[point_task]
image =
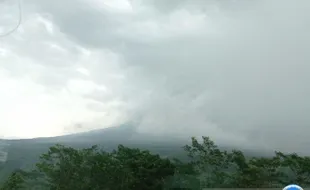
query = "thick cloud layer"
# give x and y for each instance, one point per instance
(233, 70)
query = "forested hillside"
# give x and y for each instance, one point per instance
(24, 153)
(207, 166)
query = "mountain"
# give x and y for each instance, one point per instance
(24, 153)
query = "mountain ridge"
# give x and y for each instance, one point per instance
(24, 153)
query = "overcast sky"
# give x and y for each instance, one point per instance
(235, 70)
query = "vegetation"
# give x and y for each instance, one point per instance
(67, 168)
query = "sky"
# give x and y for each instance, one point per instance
(235, 70)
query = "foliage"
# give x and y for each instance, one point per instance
(15, 181)
(67, 168)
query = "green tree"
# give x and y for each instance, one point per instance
(297, 168)
(14, 182)
(210, 163)
(146, 171)
(256, 172)
(66, 168)
(221, 169)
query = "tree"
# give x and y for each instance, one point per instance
(147, 171)
(66, 168)
(210, 163)
(221, 169)
(297, 168)
(185, 177)
(14, 182)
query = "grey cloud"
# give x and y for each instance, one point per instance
(254, 68)
(241, 78)
(81, 22)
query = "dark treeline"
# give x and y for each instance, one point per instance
(66, 168)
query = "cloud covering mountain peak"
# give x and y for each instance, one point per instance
(233, 70)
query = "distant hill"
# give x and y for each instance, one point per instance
(3, 151)
(24, 153)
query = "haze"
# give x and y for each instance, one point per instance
(235, 70)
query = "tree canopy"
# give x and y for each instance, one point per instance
(67, 168)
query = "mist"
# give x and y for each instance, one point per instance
(236, 71)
